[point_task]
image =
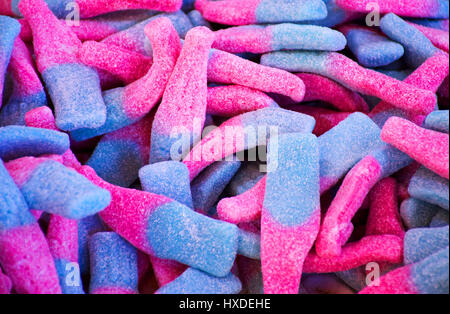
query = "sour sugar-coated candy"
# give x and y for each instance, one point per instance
(429, 187)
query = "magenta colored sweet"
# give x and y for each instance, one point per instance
(233, 100)
(322, 88)
(5, 283)
(183, 106)
(384, 215)
(430, 148)
(379, 248)
(166, 270)
(127, 65)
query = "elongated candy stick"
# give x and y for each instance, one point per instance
(429, 276)
(321, 88)
(114, 265)
(127, 65)
(20, 141)
(119, 155)
(243, 12)
(418, 47)
(249, 130)
(10, 30)
(143, 219)
(89, 8)
(194, 281)
(47, 185)
(377, 165)
(380, 248)
(428, 147)
(290, 221)
(233, 100)
(423, 242)
(350, 74)
(438, 121)
(414, 8)
(262, 39)
(129, 104)
(438, 38)
(28, 92)
(24, 253)
(429, 187)
(86, 228)
(183, 105)
(62, 238)
(135, 39)
(370, 48)
(73, 87)
(355, 131)
(384, 216)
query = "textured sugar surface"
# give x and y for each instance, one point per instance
(438, 121)
(423, 242)
(416, 213)
(429, 187)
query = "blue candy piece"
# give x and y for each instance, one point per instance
(438, 120)
(344, 145)
(427, 186)
(247, 176)
(418, 48)
(10, 28)
(56, 189)
(416, 213)
(420, 243)
(197, 19)
(278, 11)
(249, 244)
(209, 185)
(168, 178)
(13, 112)
(114, 264)
(335, 16)
(87, 227)
(13, 207)
(75, 92)
(371, 49)
(440, 220)
(194, 281)
(188, 5)
(431, 275)
(63, 267)
(179, 233)
(20, 141)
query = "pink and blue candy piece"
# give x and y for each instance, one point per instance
(290, 220)
(194, 281)
(427, 186)
(114, 265)
(10, 30)
(49, 186)
(20, 141)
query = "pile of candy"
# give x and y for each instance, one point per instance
(230, 146)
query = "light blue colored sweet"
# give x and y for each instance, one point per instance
(209, 185)
(249, 244)
(10, 29)
(418, 47)
(194, 281)
(420, 243)
(438, 121)
(197, 19)
(168, 178)
(21, 141)
(416, 213)
(114, 264)
(276, 11)
(427, 186)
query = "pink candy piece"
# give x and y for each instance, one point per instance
(89, 8)
(166, 270)
(379, 248)
(5, 283)
(62, 238)
(127, 65)
(438, 37)
(245, 207)
(227, 68)
(384, 216)
(430, 148)
(233, 100)
(321, 88)
(26, 259)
